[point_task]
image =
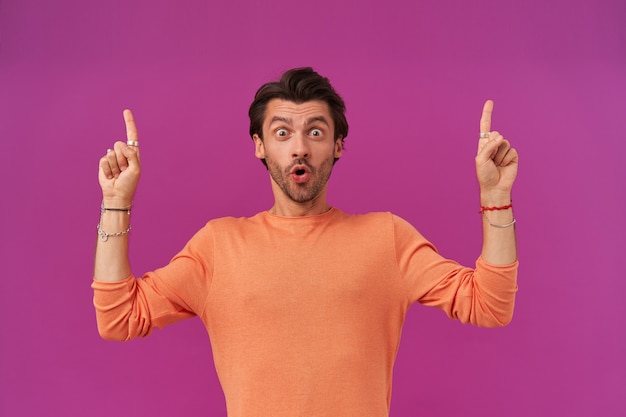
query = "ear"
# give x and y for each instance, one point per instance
(338, 147)
(259, 147)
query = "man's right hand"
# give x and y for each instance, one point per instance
(120, 168)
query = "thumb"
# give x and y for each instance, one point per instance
(488, 149)
(131, 153)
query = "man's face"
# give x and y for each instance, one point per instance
(298, 146)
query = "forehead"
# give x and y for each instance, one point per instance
(297, 113)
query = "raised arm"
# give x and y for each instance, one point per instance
(118, 177)
(496, 169)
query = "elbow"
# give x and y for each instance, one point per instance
(496, 322)
(113, 331)
(112, 337)
(494, 311)
(122, 329)
(492, 319)
(487, 314)
(507, 320)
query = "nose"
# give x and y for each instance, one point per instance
(300, 146)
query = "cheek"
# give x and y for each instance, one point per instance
(273, 158)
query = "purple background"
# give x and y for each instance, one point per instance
(414, 75)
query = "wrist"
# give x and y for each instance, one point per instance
(117, 203)
(114, 220)
(495, 198)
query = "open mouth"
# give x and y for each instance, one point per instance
(300, 174)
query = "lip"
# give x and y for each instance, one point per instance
(302, 178)
(300, 167)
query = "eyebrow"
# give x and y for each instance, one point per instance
(317, 119)
(280, 119)
(308, 122)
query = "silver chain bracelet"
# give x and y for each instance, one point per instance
(104, 236)
(499, 226)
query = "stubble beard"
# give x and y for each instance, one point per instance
(305, 192)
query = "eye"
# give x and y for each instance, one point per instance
(316, 132)
(282, 133)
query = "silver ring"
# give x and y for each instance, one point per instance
(484, 135)
(133, 143)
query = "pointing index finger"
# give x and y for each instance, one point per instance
(131, 128)
(485, 119)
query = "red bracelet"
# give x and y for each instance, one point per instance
(484, 209)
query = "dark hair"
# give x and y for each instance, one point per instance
(298, 85)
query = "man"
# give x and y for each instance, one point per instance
(304, 304)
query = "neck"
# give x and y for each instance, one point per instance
(294, 209)
(284, 206)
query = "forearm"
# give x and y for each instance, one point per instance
(499, 243)
(111, 259)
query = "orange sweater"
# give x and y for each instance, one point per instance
(305, 314)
